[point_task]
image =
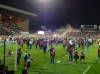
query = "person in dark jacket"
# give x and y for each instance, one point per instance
(70, 56)
(44, 48)
(18, 55)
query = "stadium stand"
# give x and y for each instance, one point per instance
(13, 20)
(10, 29)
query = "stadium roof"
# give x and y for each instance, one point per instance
(7, 10)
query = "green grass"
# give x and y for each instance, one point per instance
(41, 60)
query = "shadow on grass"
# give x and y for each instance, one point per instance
(34, 65)
(44, 72)
(39, 68)
(64, 64)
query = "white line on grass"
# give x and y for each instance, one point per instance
(86, 70)
(79, 65)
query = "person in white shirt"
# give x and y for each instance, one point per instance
(99, 44)
(30, 43)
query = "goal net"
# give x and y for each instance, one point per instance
(10, 54)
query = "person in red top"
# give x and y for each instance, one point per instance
(40, 45)
(76, 55)
(99, 54)
(9, 52)
(36, 44)
(67, 49)
(79, 43)
(52, 54)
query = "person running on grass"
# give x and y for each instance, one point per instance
(82, 55)
(76, 55)
(70, 56)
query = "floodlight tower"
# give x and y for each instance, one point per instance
(44, 12)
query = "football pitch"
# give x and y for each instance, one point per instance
(41, 62)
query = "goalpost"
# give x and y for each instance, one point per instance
(10, 52)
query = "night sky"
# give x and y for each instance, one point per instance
(60, 12)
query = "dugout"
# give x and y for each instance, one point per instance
(16, 16)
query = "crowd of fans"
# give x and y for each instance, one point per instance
(82, 34)
(9, 29)
(41, 43)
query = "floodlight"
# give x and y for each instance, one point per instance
(44, 1)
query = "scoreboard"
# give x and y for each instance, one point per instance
(88, 26)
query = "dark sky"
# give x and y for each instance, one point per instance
(60, 12)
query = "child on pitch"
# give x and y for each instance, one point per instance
(76, 55)
(82, 55)
(25, 59)
(29, 60)
(9, 53)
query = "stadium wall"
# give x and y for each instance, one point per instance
(24, 24)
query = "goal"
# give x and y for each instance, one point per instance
(9, 54)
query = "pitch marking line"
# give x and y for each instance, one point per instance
(86, 70)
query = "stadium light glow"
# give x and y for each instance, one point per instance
(44, 1)
(10, 17)
(19, 19)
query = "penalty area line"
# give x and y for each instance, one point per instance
(86, 70)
